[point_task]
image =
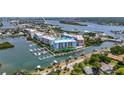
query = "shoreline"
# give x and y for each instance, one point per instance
(65, 63)
(70, 62)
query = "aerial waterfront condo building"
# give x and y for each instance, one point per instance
(79, 39)
(47, 39)
(31, 32)
(37, 35)
(65, 42)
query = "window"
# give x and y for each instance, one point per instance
(69, 44)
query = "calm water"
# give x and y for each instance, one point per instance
(20, 57)
(91, 27)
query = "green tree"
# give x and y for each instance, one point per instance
(5, 45)
(97, 65)
(117, 50)
(120, 64)
(104, 58)
(94, 58)
(77, 69)
(81, 65)
(120, 71)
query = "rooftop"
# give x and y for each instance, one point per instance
(88, 70)
(106, 67)
(64, 40)
(31, 30)
(39, 33)
(49, 37)
(78, 37)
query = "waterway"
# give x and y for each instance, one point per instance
(20, 57)
(90, 27)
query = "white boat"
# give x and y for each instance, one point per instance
(38, 66)
(35, 49)
(44, 52)
(55, 61)
(30, 45)
(35, 54)
(39, 53)
(30, 50)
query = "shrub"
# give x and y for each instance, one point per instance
(120, 71)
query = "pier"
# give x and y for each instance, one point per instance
(41, 53)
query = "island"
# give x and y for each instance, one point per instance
(117, 50)
(72, 23)
(5, 45)
(91, 38)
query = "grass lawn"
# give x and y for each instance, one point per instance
(113, 63)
